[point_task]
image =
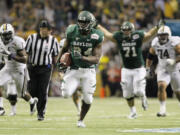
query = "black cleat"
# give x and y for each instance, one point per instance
(2, 111)
(40, 117)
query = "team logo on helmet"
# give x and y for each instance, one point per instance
(163, 34)
(7, 33)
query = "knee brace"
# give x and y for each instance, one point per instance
(12, 99)
(140, 87)
(139, 93)
(65, 94)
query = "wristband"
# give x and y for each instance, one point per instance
(11, 56)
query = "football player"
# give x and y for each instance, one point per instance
(84, 43)
(14, 74)
(167, 48)
(129, 42)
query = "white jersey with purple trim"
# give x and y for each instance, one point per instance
(17, 44)
(166, 51)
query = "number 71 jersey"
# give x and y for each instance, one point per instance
(130, 48)
(165, 51)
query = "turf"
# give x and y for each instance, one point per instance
(107, 116)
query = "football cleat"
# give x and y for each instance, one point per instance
(159, 114)
(144, 103)
(33, 106)
(81, 124)
(2, 111)
(132, 115)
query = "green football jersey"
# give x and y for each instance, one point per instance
(130, 49)
(84, 44)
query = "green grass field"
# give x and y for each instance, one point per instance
(106, 117)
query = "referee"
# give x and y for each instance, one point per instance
(42, 50)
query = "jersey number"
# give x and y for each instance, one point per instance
(88, 52)
(163, 53)
(128, 50)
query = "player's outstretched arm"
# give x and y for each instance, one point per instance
(94, 59)
(107, 34)
(152, 32)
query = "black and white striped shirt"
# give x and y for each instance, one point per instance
(41, 50)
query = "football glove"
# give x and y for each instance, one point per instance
(149, 73)
(11, 56)
(160, 23)
(171, 62)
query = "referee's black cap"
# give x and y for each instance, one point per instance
(44, 24)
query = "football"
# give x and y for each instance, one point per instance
(66, 59)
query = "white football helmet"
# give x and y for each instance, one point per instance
(6, 33)
(163, 34)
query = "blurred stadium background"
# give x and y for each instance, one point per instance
(24, 15)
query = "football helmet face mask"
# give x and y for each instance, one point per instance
(163, 34)
(6, 33)
(127, 28)
(85, 21)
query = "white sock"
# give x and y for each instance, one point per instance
(79, 106)
(1, 102)
(144, 97)
(13, 108)
(162, 106)
(133, 109)
(31, 101)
